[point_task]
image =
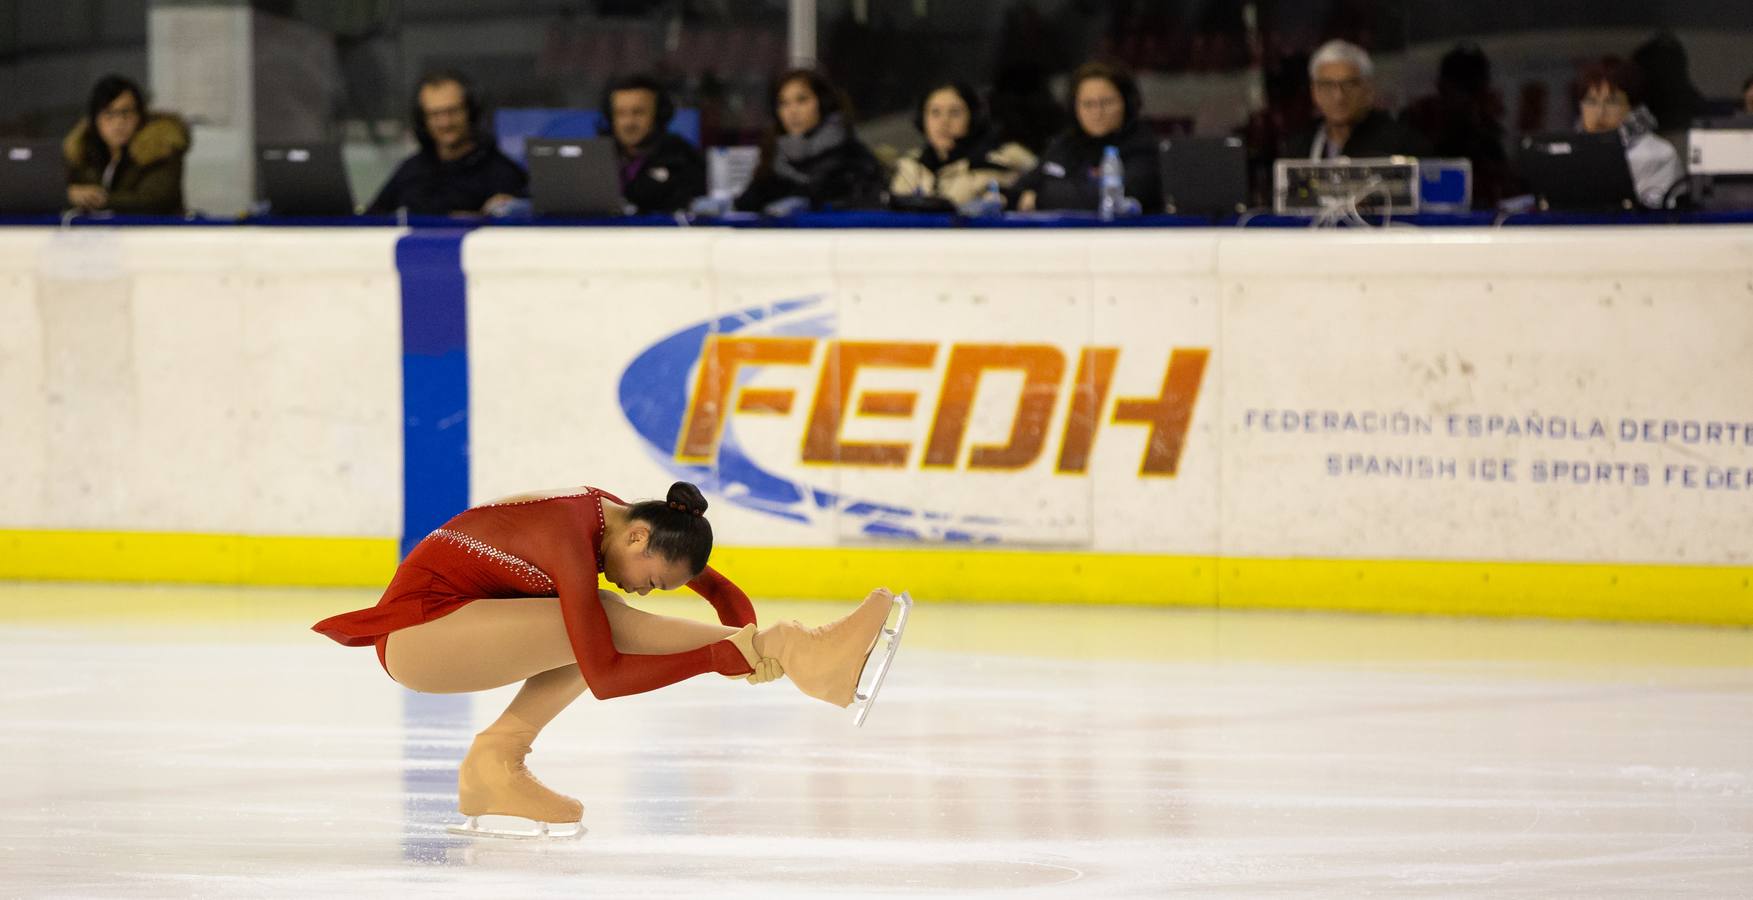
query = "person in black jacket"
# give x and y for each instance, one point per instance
(459, 168)
(660, 172)
(1341, 83)
(812, 155)
(1105, 109)
(1464, 119)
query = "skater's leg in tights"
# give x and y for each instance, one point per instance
(543, 696)
(492, 643)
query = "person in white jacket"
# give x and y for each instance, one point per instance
(1612, 100)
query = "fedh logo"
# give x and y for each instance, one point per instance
(684, 395)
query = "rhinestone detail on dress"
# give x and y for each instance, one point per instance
(528, 572)
(596, 549)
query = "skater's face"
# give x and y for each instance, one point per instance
(946, 120)
(1100, 108)
(630, 565)
(635, 114)
(799, 109)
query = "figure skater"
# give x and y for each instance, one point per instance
(507, 592)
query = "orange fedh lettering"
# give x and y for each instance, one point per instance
(1041, 365)
(1168, 415)
(822, 443)
(719, 360)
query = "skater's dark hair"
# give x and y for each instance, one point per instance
(679, 530)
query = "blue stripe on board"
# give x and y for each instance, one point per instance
(435, 381)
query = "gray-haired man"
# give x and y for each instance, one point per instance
(1341, 80)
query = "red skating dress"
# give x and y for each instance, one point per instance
(539, 548)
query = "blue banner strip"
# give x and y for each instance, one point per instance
(435, 381)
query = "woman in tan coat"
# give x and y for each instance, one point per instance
(120, 158)
(961, 156)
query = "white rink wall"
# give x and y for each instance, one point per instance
(216, 380)
(1539, 395)
(1462, 335)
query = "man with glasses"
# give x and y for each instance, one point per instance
(459, 169)
(1340, 81)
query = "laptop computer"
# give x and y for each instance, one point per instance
(1205, 176)
(304, 179)
(33, 177)
(574, 177)
(1578, 171)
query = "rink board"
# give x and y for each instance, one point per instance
(1537, 422)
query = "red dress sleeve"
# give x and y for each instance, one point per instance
(734, 608)
(611, 673)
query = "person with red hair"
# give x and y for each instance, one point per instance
(1610, 98)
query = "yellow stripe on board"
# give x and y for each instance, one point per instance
(197, 558)
(1717, 595)
(988, 575)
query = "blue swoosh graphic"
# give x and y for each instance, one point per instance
(653, 392)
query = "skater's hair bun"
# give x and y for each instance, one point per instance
(687, 498)
(679, 530)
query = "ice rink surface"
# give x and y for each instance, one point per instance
(177, 742)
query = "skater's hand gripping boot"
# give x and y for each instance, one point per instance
(765, 669)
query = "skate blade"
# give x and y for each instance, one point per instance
(472, 826)
(865, 699)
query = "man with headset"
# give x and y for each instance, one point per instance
(459, 168)
(660, 172)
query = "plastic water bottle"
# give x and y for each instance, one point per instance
(988, 205)
(993, 199)
(1113, 183)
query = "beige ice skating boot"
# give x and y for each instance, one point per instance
(493, 781)
(826, 662)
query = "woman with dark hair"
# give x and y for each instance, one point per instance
(962, 155)
(1105, 108)
(122, 158)
(812, 155)
(1610, 98)
(507, 592)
